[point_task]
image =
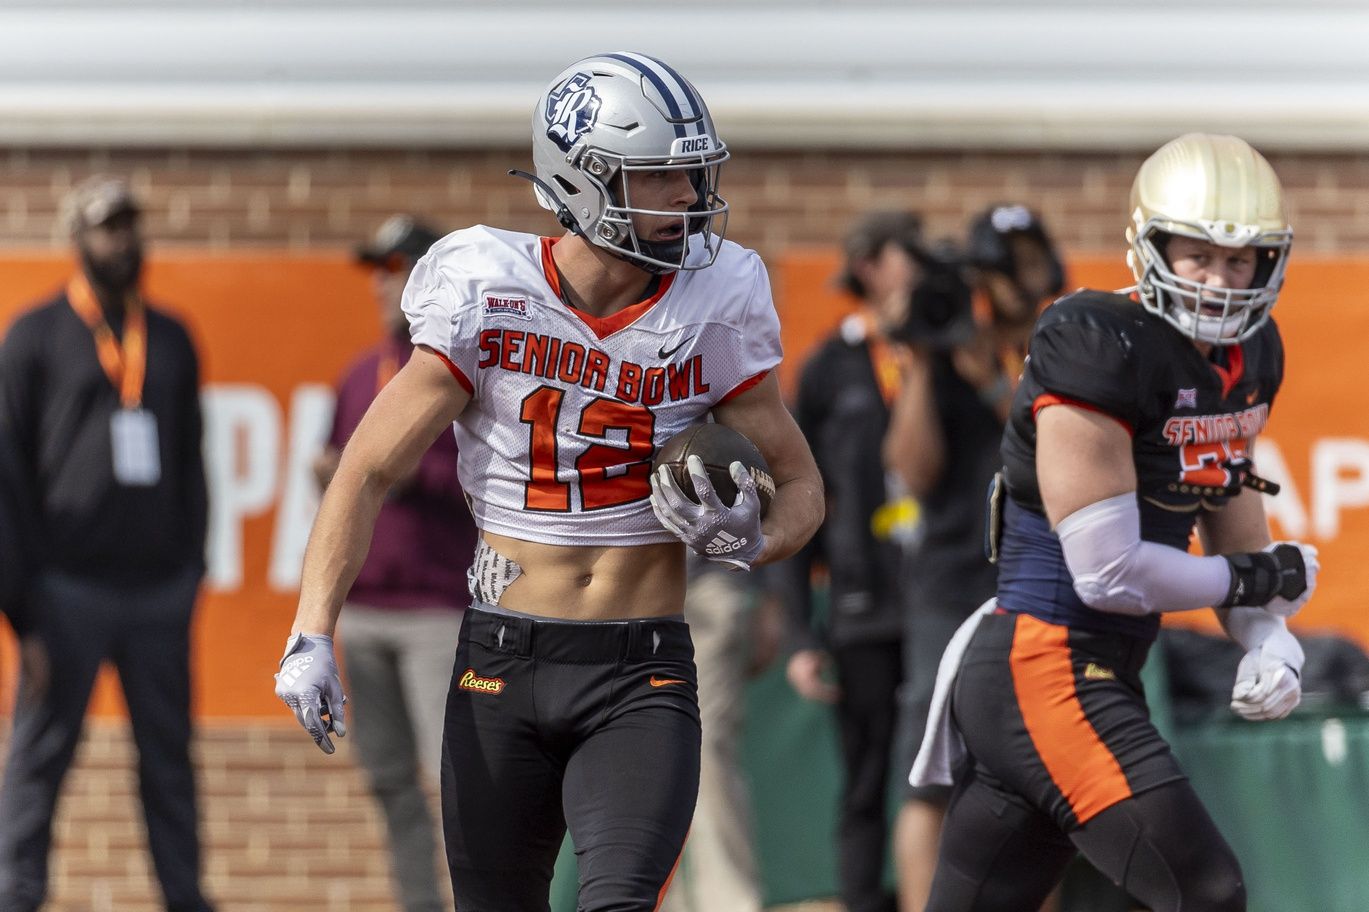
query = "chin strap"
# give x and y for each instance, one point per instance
(562, 211)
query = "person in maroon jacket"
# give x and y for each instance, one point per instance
(400, 623)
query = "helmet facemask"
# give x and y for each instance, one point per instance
(1207, 313)
(703, 224)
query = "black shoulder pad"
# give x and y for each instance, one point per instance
(1086, 349)
(1103, 310)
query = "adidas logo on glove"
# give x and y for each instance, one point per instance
(725, 543)
(291, 670)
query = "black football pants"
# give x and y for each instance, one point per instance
(554, 725)
(1065, 760)
(1001, 855)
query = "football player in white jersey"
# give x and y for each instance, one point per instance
(563, 363)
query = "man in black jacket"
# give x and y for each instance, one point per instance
(99, 394)
(843, 404)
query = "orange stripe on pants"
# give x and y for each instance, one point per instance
(1077, 760)
(665, 887)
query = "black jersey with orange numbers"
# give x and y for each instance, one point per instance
(1190, 418)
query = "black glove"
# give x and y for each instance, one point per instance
(1259, 577)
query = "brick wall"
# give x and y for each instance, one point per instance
(308, 199)
(285, 827)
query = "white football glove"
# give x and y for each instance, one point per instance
(727, 534)
(1267, 680)
(308, 682)
(1283, 607)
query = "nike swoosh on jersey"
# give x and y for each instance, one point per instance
(663, 352)
(663, 682)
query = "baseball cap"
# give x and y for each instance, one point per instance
(399, 236)
(96, 200)
(868, 235)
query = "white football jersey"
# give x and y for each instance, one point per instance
(568, 409)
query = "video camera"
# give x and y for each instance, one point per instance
(939, 313)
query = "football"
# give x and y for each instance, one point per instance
(718, 446)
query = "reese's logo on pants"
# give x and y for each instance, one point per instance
(469, 680)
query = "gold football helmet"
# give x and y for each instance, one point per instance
(1218, 189)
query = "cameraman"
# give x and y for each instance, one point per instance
(855, 661)
(960, 349)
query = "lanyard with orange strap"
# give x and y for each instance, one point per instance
(888, 376)
(133, 429)
(124, 363)
(896, 518)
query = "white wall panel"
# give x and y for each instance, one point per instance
(782, 72)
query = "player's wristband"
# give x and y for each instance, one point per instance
(1260, 576)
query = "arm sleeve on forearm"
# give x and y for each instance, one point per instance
(1115, 571)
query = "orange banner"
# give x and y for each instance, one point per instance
(276, 329)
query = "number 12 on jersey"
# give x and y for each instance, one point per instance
(608, 474)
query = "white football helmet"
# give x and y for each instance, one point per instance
(612, 114)
(1218, 189)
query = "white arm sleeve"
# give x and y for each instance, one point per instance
(1115, 571)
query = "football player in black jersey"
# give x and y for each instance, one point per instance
(1135, 420)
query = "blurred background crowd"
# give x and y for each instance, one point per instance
(920, 178)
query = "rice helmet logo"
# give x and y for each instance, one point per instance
(572, 110)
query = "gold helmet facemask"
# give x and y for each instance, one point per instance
(1217, 189)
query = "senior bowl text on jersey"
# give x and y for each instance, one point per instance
(567, 408)
(551, 358)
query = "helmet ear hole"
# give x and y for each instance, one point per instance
(1160, 241)
(1266, 262)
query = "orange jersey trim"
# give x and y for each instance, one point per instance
(601, 326)
(744, 386)
(460, 375)
(1078, 761)
(1045, 400)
